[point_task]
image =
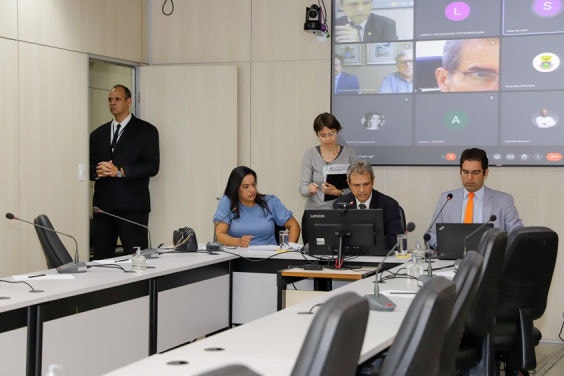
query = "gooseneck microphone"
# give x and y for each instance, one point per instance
(427, 236)
(70, 267)
(149, 252)
(377, 301)
(492, 218)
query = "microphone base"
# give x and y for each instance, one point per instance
(72, 267)
(422, 279)
(380, 303)
(150, 253)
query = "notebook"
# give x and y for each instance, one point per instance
(450, 238)
(336, 174)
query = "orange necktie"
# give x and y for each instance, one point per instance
(469, 213)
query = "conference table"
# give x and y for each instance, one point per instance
(270, 345)
(120, 317)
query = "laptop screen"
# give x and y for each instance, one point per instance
(451, 238)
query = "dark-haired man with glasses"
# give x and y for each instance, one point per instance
(469, 65)
(484, 201)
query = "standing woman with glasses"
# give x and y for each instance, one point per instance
(319, 193)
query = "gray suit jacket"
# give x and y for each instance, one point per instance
(495, 202)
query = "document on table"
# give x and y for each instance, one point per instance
(40, 276)
(448, 274)
(399, 293)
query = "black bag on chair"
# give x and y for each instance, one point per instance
(184, 240)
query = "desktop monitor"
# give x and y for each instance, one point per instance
(361, 232)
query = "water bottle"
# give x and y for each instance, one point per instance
(415, 268)
(138, 261)
(283, 240)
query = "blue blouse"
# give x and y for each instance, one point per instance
(253, 220)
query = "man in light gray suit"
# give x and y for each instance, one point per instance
(473, 173)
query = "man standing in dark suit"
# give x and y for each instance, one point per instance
(360, 178)
(361, 25)
(124, 154)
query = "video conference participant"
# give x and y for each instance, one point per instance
(372, 121)
(360, 25)
(486, 201)
(124, 154)
(544, 120)
(345, 83)
(317, 159)
(469, 65)
(402, 80)
(360, 178)
(246, 217)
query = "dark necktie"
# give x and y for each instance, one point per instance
(116, 134)
(362, 206)
(359, 31)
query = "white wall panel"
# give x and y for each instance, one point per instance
(201, 31)
(278, 32)
(8, 18)
(286, 97)
(10, 154)
(54, 141)
(102, 27)
(195, 111)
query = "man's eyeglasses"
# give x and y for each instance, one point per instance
(327, 135)
(405, 62)
(478, 76)
(473, 172)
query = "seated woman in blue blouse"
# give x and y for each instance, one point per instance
(245, 217)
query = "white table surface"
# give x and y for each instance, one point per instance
(270, 345)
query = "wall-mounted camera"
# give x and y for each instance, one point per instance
(314, 21)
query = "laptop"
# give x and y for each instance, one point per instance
(450, 238)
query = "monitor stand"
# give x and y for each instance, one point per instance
(340, 260)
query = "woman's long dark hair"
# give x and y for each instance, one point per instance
(232, 189)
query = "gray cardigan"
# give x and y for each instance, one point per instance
(312, 171)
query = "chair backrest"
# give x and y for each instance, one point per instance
(230, 370)
(527, 271)
(482, 314)
(334, 340)
(55, 252)
(402, 220)
(466, 280)
(417, 346)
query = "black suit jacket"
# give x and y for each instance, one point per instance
(137, 152)
(377, 28)
(391, 209)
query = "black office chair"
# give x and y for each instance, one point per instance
(402, 219)
(333, 342)
(525, 281)
(231, 370)
(466, 280)
(475, 352)
(54, 250)
(417, 346)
